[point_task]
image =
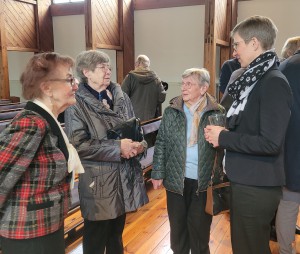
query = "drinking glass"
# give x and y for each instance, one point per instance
(217, 119)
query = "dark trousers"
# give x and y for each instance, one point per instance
(49, 244)
(251, 212)
(99, 236)
(189, 223)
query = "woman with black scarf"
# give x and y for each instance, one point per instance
(254, 138)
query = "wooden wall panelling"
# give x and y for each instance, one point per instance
(106, 19)
(226, 52)
(45, 26)
(210, 43)
(218, 24)
(88, 24)
(67, 9)
(128, 37)
(4, 78)
(21, 25)
(120, 66)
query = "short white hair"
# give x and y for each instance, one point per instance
(143, 61)
(201, 74)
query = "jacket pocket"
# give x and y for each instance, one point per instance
(34, 206)
(105, 183)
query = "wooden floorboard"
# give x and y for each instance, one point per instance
(147, 231)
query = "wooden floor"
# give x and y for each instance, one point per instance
(147, 230)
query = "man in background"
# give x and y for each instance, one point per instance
(144, 88)
(228, 67)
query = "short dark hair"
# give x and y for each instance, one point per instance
(40, 68)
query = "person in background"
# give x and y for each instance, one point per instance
(228, 67)
(37, 160)
(290, 47)
(288, 209)
(113, 181)
(254, 139)
(144, 88)
(183, 162)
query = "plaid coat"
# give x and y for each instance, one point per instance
(34, 191)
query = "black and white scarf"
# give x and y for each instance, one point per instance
(240, 89)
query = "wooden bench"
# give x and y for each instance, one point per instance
(9, 114)
(17, 105)
(150, 129)
(5, 101)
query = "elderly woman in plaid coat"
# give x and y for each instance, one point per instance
(35, 173)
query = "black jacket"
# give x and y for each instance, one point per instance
(255, 148)
(291, 69)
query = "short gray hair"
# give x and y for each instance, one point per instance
(89, 60)
(201, 74)
(142, 61)
(260, 27)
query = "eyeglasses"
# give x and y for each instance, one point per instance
(73, 81)
(104, 67)
(236, 44)
(187, 85)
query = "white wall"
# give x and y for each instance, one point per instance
(284, 13)
(69, 34)
(16, 65)
(173, 39)
(69, 38)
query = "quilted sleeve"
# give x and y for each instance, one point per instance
(159, 157)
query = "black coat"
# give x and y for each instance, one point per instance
(255, 148)
(291, 69)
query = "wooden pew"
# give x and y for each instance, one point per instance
(9, 114)
(17, 105)
(5, 101)
(150, 129)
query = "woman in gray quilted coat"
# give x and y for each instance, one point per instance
(183, 162)
(113, 183)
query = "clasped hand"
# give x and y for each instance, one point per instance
(212, 133)
(130, 148)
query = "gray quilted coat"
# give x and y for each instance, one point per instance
(170, 148)
(110, 185)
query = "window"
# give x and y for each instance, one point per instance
(66, 1)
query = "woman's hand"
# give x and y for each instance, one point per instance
(157, 184)
(128, 148)
(140, 148)
(211, 134)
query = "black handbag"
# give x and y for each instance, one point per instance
(130, 128)
(217, 196)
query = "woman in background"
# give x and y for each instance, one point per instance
(34, 153)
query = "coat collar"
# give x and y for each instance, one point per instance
(53, 126)
(177, 103)
(118, 100)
